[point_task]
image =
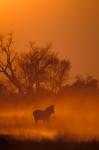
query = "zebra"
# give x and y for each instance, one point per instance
(43, 115)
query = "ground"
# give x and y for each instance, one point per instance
(9, 143)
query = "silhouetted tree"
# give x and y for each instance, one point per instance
(35, 65)
(7, 59)
(88, 84)
(42, 67)
(3, 88)
(59, 74)
(79, 83)
(38, 68)
(92, 82)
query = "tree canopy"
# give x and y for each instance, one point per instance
(38, 68)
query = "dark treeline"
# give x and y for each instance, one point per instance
(38, 70)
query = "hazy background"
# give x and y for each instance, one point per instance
(76, 117)
(71, 25)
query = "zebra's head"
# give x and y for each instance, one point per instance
(50, 109)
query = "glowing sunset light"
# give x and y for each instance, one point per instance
(70, 25)
(49, 71)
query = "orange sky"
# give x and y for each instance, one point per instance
(71, 25)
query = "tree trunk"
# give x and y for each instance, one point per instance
(15, 82)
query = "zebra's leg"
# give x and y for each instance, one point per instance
(47, 122)
(44, 122)
(36, 121)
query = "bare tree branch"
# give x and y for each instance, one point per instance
(7, 65)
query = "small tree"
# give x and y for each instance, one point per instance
(91, 82)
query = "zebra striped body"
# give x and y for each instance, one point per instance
(43, 115)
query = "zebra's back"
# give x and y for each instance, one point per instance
(40, 114)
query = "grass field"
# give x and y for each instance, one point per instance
(10, 143)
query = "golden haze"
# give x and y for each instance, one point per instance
(71, 25)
